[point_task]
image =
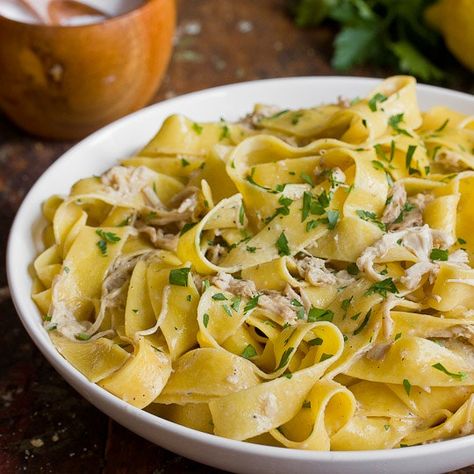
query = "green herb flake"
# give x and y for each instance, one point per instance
(219, 297)
(251, 304)
(398, 336)
(251, 249)
(184, 163)
(439, 254)
(205, 319)
(382, 288)
(197, 128)
(236, 303)
(461, 241)
(333, 217)
(371, 217)
(241, 215)
(409, 156)
(317, 341)
(407, 386)
(443, 126)
(249, 352)
(82, 336)
(319, 314)
(375, 99)
(346, 303)
(282, 245)
(307, 178)
(363, 323)
(227, 310)
(355, 317)
(353, 269)
(306, 404)
(325, 356)
(179, 276)
(455, 375)
(311, 225)
(225, 132)
(285, 358)
(386, 427)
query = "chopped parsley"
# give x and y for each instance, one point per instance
(371, 217)
(225, 132)
(456, 375)
(376, 98)
(106, 238)
(307, 404)
(186, 227)
(251, 249)
(319, 314)
(353, 269)
(205, 319)
(179, 276)
(249, 352)
(394, 121)
(407, 207)
(461, 241)
(407, 386)
(219, 297)
(241, 215)
(443, 126)
(398, 336)
(227, 310)
(307, 198)
(197, 128)
(346, 303)
(409, 157)
(333, 217)
(251, 304)
(236, 303)
(317, 341)
(82, 336)
(282, 245)
(296, 117)
(285, 357)
(184, 163)
(382, 288)
(278, 114)
(439, 254)
(325, 356)
(363, 323)
(295, 302)
(311, 225)
(386, 427)
(307, 178)
(125, 222)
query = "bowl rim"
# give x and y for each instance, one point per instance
(92, 391)
(125, 16)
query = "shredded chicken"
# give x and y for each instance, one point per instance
(215, 253)
(397, 198)
(378, 351)
(314, 271)
(450, 161)
(226, 282)
(418, 240)
(260, 111)
(127, 181)
(269, 300)
(158, 238)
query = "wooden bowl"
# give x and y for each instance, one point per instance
(66, 81)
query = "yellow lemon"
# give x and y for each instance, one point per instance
(455, 20)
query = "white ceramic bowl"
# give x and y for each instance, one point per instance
(100, 151)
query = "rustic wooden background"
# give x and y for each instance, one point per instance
(44, 425)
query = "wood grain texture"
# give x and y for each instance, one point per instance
(218, 42)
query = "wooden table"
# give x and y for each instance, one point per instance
(44, 425)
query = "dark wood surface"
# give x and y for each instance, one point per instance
(44, 425)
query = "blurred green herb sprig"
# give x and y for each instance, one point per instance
(380, 32)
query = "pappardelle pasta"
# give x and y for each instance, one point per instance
(300, 278)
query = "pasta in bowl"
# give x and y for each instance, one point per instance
(298, 278)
